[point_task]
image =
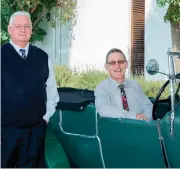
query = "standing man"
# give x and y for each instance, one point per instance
(117, 97)
(29, 97)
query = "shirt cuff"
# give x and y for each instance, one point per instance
(131, 115)
(46, 117)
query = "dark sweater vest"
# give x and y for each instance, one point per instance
(23, 86)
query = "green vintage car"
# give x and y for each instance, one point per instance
(78, 137)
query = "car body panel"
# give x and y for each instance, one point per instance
(55, 155)
(172, 142)
(130, 143)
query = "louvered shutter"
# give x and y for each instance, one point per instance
(137, 36)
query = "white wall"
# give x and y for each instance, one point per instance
(101, 25)
(157, 36)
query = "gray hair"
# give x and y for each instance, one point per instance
(113, 50)
(24, 13)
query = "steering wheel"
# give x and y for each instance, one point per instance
(154, 114)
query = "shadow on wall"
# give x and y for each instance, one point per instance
(157, 36)
(58, 40)
(63, 38)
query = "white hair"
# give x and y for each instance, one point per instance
(24, 13)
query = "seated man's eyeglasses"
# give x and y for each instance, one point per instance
(119, 62)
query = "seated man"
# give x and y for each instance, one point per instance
(116, 97)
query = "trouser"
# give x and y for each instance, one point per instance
(23, 147)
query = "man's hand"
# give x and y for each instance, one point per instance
(141, 117)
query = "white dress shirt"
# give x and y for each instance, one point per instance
(108, 100)
(51, 88)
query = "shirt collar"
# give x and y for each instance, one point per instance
(17, 48)
(116, 84)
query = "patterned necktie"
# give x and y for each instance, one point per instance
(123, 97)
(23, 53)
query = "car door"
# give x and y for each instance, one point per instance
(130, 143)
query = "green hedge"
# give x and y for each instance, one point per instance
(89, 79)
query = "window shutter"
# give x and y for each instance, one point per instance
(137, 36)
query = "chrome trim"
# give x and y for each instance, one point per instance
(101, 153)
(76, 134)
(85, 136)
(163, 148)
(172, 80)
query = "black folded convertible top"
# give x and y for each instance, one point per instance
(74, 99)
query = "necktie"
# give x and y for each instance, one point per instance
(123, 97)
(23, 53)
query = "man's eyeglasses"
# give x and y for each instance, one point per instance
(113, 63)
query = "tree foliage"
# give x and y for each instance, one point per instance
(173, 12)
(39, 11)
